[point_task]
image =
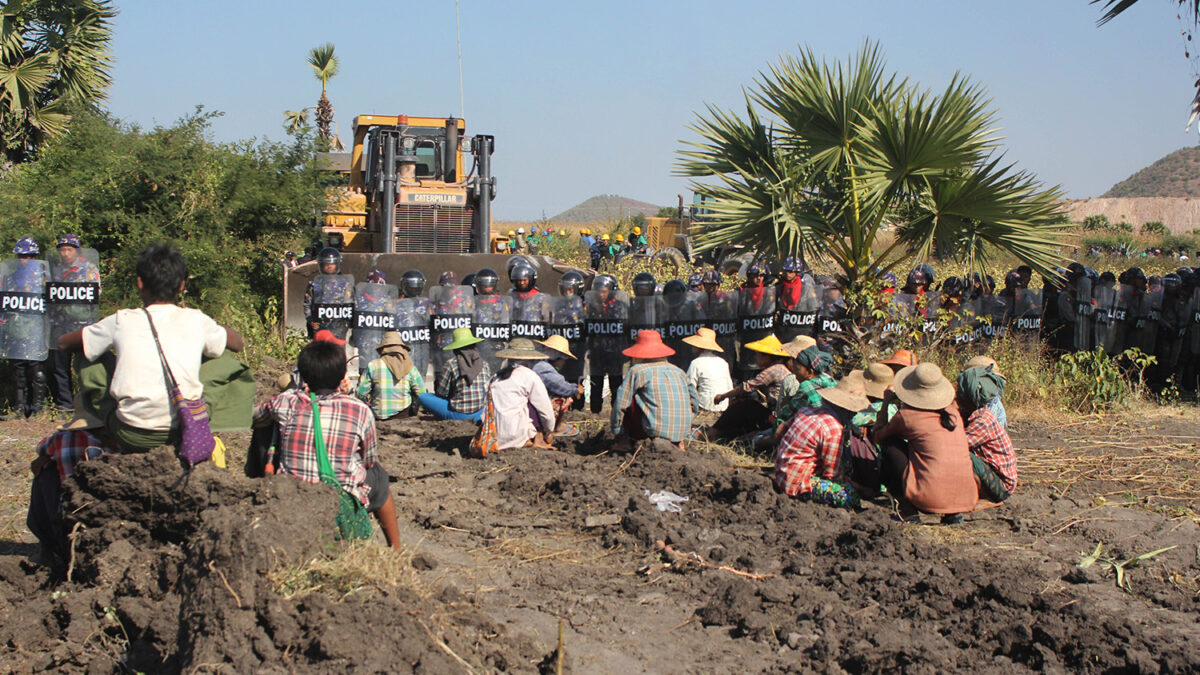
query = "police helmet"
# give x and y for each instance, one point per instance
(520, 273)
(1135, 274)
(674, 292)
(643, 284)
(412, 283)
(287, 254)
(1107, 278)
(486, 278)
(448, 278)
(1012, 279)
(571, 283)
(27, 246)
(1091, 273)
(927, 270)
(694, 281)
(791, 264)
(376, 277)
(73, 240)
(328, 255)
(889, 279)
(917, 277)
(711, 277)
(952, 286)
(756, 268)
(1171, 281)
(607, 281)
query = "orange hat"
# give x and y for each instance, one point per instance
(903, 358)
(326, 335)
(649, 345)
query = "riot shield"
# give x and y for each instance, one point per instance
(966, 323)
(453, 307)
(1143, 333)
(413, 324)
(756, 320)
(646, 312)
(831, 334)
(720, 311)
(798, 316)
(1123, 318)
(530, 315)
(1172, 332)
(568, 318)
(1027, 311)
(492, 324)
(72, 291)
(1080, 316)
(24, 324)
(684, 317)
(332, 305)
(1193, 334)
(374, 315)
(607, 318)
(1104, 303)
(993, 316)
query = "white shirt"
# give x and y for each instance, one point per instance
(138, 383)
(709, 374)
(512, 398)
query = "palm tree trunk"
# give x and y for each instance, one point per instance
(324, 118)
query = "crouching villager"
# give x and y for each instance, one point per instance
(995, 405)
(518, 412)
(808, 460)
(708, 372)
(390, 383)
(810, 367)
(655, 400)
(563, 394)
(992, 455)
(462, 388)
(924, 461)
(347, 440)
(752, 403)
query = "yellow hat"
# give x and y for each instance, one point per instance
(620, 237)
(637, 230)
(512, 233)
(562, 233)
(768, 345)
(604, 237)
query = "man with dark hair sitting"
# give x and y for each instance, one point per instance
(347, 428)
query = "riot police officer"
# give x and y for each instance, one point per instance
(24, 334)
(529, 306)
(568, 319)
(607, 314)
(74, 302)
(492, 321)
(329, 298)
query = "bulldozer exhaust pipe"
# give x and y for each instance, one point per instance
(388, 210)
(485, 188)
(450, 152)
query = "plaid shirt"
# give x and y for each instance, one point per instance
(463, 398)
(69, 448)
(347, 425)
(768, 382)
(386, 396)
(805, 397)
(990, 442)
(665, 397)
(811, 446)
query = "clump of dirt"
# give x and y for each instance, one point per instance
(167, 579)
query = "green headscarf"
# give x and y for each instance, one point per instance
(980, 385)
(815, 360)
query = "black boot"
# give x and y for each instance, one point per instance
(37, 392)
(21, 384)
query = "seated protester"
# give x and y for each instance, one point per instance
(992, 454)
(791, 384)
(995, 405)
(924, 460)
(877, 382)
(462, 389)
(808, 459)
(708, 373)
(811, 368)
(80, 440)
(347, 429)
(390, 383)
(655, 399)
(519, 413)
(754, 400)
(292, 380)
(563, 394)
(130, 394)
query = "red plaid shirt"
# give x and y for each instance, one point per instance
(69, 448)
(990, 442)
(811, 446)
(348, 426)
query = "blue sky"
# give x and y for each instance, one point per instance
(588, 98)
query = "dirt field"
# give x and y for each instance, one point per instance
(236, 575)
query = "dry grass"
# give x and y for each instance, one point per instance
(350, 568)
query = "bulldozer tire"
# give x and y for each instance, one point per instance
(736, 264)
(672, 256)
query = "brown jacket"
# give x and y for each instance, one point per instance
(940, 477)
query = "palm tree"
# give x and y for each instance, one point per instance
(1113, 8)
(54, 57)
(325, 66)
(295, 120)
(850, 153)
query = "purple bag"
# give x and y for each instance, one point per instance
(196, 441)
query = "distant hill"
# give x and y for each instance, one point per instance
(605, 207)
(1176, 175)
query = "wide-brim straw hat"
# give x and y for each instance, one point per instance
(902, 358)
(649, 345)
(847, 394)
(83, 419)
(705, 338)
(877, 378)
(391, 339)
(521, 349)
(559, 344)
(983, 361)
(924, 387)
(462, 337)
(799, 344)
(768, 345)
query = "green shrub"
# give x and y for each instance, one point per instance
(1096, 380)
(1098, 222)
(1154, 227)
